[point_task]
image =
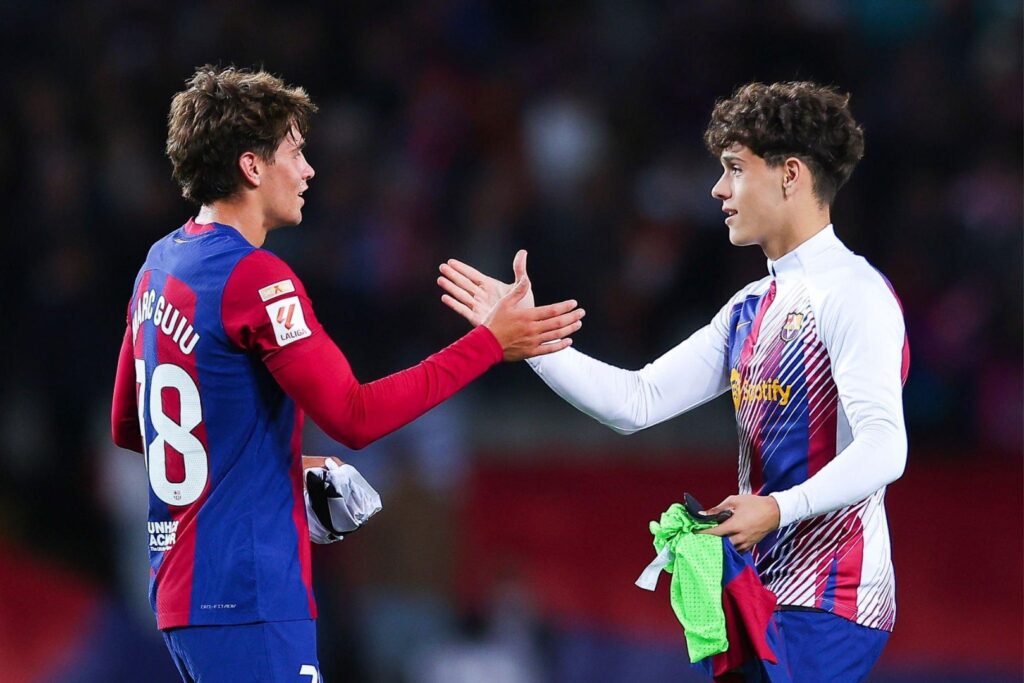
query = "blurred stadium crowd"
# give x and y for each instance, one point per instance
(470, 129)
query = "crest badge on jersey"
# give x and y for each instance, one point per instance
(791, 329)
(288, 320)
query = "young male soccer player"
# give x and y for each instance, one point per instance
(222, 356)
(815, 355)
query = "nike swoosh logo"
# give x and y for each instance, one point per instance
(180, 241)
(742, 324)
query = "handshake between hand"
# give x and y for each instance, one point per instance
(508, 310)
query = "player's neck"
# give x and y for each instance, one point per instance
(795, 232)
(242, 216)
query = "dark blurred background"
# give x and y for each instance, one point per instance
(513, 526)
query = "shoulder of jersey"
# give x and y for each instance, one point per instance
(847, 269)
(280, 297)
(851, 280)
(266, 263)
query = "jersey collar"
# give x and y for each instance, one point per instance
(797, 260)
(191, 228)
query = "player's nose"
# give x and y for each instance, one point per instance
(720, 190)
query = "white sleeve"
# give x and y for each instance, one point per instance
(688, 375)
(863, 331)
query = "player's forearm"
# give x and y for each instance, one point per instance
(688, 375)
(357, 414)
(606, 393)
(382, 406)
(875, 458)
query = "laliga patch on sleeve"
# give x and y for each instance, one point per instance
(277, 289)
(288, 321)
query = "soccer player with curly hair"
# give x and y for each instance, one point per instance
(223, 355)
(814, 355)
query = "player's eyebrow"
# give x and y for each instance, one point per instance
(730, 158)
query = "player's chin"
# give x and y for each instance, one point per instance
(742, 238)
(738, 237)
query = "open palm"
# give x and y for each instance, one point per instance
(473, 295)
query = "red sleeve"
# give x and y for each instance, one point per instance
(124, 412)
(314, 372)
(321, 382)
(265, 308)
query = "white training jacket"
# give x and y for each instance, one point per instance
(815, 355)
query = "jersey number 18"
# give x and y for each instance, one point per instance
(177, 435)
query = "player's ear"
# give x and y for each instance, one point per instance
(250, 166)
(793, 171)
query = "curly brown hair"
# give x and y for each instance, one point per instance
(795, 119)
(223, 113)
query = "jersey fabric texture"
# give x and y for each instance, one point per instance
(222, 357)
(815, 355)
(274, 651)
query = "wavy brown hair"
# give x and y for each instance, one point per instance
(795, 119)
(222, 113)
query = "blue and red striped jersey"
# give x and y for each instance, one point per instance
(817, 355)
(228, 539)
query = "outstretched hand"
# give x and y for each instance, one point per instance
(508, 310)
(473, 294)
